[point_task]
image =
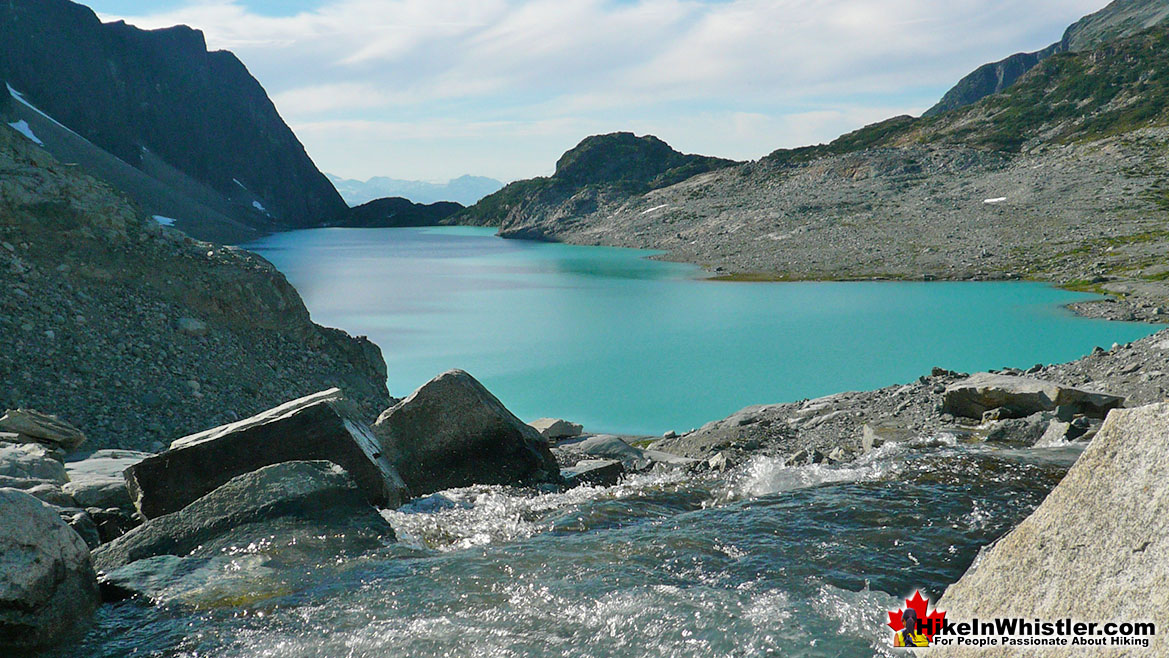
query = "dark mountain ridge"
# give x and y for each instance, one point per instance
(1118, 19)
(598, 168)
(396, 212)
(160, 102)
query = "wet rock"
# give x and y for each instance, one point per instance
(603, 472)
(30, 424)
(1087, 552)
(47, 586)
(316, 427)
(1024, 431)
(297, 498)
(556, 428)
(983, 392)
(875, 435)
(1057, 434)
(452, 432)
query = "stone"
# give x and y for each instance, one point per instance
(983, 392)
(48, 590)
(452, 432)
(112, 522)
(875, 435)
(52, 494)
(315, 427)
(612, 447)
(556, 428)
(720, 462)
(602, 472)
(1056, 434)
(191, 327)
(97, 479)
(1096, 549)
(30, 461)
(295, 499)
(1024, 431)
(81, 523)
(42, 428)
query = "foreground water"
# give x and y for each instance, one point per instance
(765, 560)
(623, 344)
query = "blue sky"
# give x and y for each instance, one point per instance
(432, 89)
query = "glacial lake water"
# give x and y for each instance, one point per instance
(608, 338)
(764, 559)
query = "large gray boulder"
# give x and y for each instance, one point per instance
(1097, 549)
(1021, 396)
(300, 499)
(452, 432)
(32, 425)
(48, 590)
(317, 427)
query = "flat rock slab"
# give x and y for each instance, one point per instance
(452, 432)
(301, 499)
(43, 428)
(1022, 396)
(1097, 549)
(98, 480)
(48, 589)
(316, 427)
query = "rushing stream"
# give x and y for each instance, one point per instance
(762, 560)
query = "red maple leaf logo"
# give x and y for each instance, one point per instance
(930, 622)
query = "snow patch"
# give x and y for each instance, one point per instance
(22, 128)
(20, 98)
(236, 181)
(165, 221)
(259, 206)
(646, 212)
(997, 199)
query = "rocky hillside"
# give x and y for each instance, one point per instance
(600, 169)
(137, 333)
(194, 122)
(399, 212)
(1063, 177)
(1119, 19)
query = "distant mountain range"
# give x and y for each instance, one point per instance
(188, 134)
(465, 190)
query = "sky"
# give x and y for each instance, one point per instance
(433, 89)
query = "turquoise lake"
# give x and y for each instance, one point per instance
(608, 338)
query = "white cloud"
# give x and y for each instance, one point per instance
(736, 78)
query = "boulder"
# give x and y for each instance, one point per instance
(317, 427)
(96, 479)
(556, 428)
(30, 462)
(612, 447)
(603, 472)
(29, 424)
(48, 590)
(1021, 396)
(452, 432)
(1097, 549)
(293, 500)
